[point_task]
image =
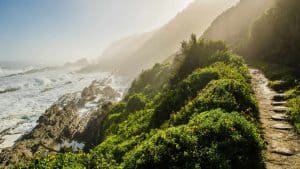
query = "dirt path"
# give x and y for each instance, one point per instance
(283, 144)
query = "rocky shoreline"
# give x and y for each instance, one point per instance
(67, 125)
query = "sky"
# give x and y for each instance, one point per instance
(54, 31)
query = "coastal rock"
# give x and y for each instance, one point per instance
(67, 124)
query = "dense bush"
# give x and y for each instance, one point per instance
(228, 94)
(196, 53)
(136, 102)
(66, 161)
(225, 65)
(294, 106)
(213, 139)
(174, 99)
(151, 81)
(294, 112)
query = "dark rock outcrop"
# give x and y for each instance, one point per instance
(66, 125)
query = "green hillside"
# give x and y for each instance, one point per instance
(202, 115)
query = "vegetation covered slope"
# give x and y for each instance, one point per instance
(201, 115)
(267, 32)
(233, 25)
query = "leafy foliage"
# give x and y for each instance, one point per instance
(227, 94)
(151, 81)
(136, 102)
(196, 53)
(212, 139)
(294, 106)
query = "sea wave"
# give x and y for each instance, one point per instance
(5, 72)
(9, 89)
(25, 71)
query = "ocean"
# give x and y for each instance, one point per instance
(26, 91)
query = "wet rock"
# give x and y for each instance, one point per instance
(110, 92)
(63, 125)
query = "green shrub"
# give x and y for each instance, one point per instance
(109, 153)
(196, 54)
(118, 107)
(129, 134)
(212, 139)
(136, 102)
(66, 161)
(294, 112)
(188, 88)
(135, 124)
(174, 99)
(228, 94)
(151, 81)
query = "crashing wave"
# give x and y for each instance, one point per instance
(10, 89)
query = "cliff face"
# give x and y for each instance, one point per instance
(66, 125)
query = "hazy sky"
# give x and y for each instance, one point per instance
(52, 30)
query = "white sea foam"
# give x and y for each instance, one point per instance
(76, 146)
(37, 91)
(9, 140)
(11, 72)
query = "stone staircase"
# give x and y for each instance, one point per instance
(283, 144)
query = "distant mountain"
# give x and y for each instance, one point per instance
(131, 55)
(121, 50)
(233, 26)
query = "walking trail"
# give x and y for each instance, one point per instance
(283, 144)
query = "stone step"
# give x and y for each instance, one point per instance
(279, 97)
(279, 103)
(282, 148)
(279, 117)
(277, 136)
(281, 126)
(280, 109)
(283, 151)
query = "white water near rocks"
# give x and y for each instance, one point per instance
(25, 96)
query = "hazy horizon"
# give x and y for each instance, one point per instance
(55, 31)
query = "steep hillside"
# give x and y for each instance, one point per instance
(234, 24)
(202, 115)
(166, 40)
